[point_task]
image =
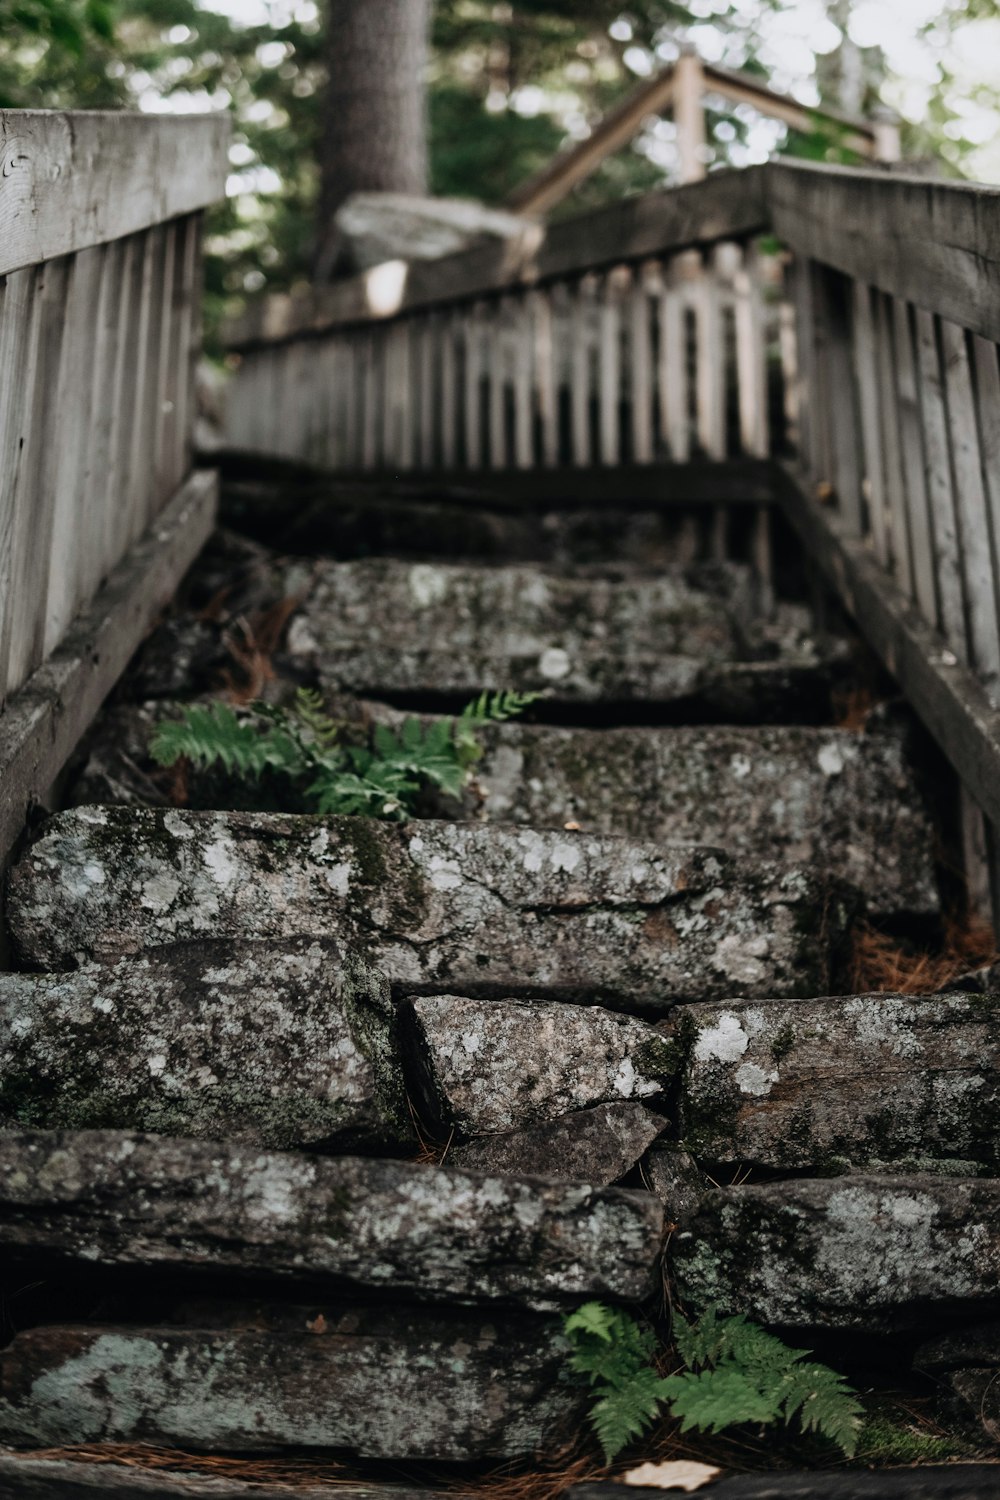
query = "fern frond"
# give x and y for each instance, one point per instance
(488, 708)
(594, 1318)
(824, 1403)
(312, 716)
(624, 1413)
(714, 1399)
(209, 736)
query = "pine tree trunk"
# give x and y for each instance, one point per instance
(374, 118)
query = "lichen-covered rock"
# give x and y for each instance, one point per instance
(827, 1083)
(384, 625)
(119, 1199)
(676, 1179)
(852, 1252)
(489, 1066)
(596, 1145)
(280, 1045)
(848, 802)
(435, 906)
(386, 1383)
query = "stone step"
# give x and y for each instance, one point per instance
(832, 797)
(597, 1145)
(274, 1044)
(701, 639)
(485, 1067)
(437, 907)
(116, 1198)
(878, 1254)
(858, 1079)
(387, 1383)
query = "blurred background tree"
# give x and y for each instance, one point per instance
(508, 83)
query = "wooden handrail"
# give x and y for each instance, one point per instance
(683, 85)
(71, 181)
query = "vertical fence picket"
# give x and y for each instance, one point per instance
(915, 506)
(583, 314)
(497, 375)
(543, 323)
(472, 324)
(751, 354)
(640, 368)
(710, 375)
(522, 333)
(609, 371)
(866, 374)
(937, 463)
(970, 502)
(987, 372)
(449, 391)
(891, 453)
(674, 388)
(32, 473)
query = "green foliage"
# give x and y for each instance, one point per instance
(614, 1352)
(308, 748)
(735, 1373)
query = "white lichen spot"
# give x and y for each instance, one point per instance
(740, 766)
(93, 815)
(554, 664)
(175, 823)
(445, 874)
(102, 1003)
(428, 585)
(739, 958)
(159, 891)
(157, 1064)
(223, 867)
(565, 857)
(752, 1079)
(338, 878)
(94, 875)
(724, 1042)
(831, 760)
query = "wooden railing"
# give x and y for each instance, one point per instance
(657, 332)
(100, 286)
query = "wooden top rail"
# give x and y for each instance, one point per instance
(727, 205)
(69, 181)
(933, 243)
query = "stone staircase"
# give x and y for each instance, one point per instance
(316, 1125)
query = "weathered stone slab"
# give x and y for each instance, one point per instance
(676, 1180)
(828, 1083)
(852, 1252)
(384, 625)
(280, 1045)
(120, 1199)
(846, 801)
(596, 1145)
(489, 1066)
(395, 1384)
(968, 1359)
(436, 907)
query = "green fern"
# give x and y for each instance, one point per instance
(304, 745)
(736, 1373)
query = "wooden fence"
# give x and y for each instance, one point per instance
(656, 332)
(100, 285)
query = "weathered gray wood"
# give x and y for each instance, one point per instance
(946, 695)
(497, 371)
(432, 1234)
(293, 1048)
(987, 372)
(751, 354)
(381, 1383)
(673, 384)
(930, 242)
(895, 482)
(640, 369)
(940, 491)
(71, 180)
(43, 723)
(24, 1477)
(524, 373)
(438, 907)
(870, 397)
(710, 362)
(915, 504)
(863, 1252)
(582, 316)
(970, 503)
(609, 368)
(725, 204)
(862, 1080)
(547, 313)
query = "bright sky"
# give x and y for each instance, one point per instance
(789, 44)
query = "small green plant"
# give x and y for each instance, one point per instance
(306, 747)
(735, 1373)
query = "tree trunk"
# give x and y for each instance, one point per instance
(374, 126)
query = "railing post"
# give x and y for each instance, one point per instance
(887, 146)
(689, 115)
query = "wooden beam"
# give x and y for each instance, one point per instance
(945, 694)
(743, 88)
(630, 486)
(727, 205)
(43, 722)
(553, 183)
(72, 180)
(933, 243)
